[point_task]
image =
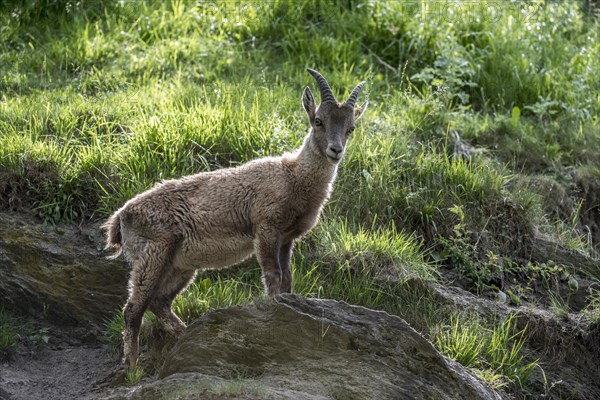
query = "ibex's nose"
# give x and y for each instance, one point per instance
(335, 151)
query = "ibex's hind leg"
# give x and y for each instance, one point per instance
(143, 283)
(133, 313)
(169, 288)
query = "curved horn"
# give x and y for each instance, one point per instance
(324, 88)
(352, 99)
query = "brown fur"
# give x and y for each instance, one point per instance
(219, 218)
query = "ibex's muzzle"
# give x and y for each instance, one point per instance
(334, 152)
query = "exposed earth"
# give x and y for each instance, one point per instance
(56, 371)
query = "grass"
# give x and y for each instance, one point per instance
(595, 307)
(461, 342)
(133, 374)
(100, 101)
(558, 305)
(496, 353)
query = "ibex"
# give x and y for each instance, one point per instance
(219, 218)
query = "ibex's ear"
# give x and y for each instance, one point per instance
(359, 111)
(308, 102)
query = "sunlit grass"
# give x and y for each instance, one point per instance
(462, 342)
(496, 352)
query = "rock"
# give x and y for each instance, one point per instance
(298, 348)
(193, 385)
(60, 274)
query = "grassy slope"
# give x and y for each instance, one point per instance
(100, 102)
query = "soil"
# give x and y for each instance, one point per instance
(58, 371)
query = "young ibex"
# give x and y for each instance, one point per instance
(215, 219)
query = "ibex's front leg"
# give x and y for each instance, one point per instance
(266, 246)
(285, 261)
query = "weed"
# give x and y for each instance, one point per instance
(39, 336)
(113, 329)
(496, 352)
(207, 293)
(461, 342)
(134, 374)
(504, 352)
(558, 304)
(594, 307)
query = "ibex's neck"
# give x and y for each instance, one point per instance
(312, 169)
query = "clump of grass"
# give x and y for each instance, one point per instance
(363, 267)
(134, 374)
(375, 249)
(495, 353)
(594, 307)
(504, 352)
(461, 342)
(113, 329)
(558, 304)
(216, 292)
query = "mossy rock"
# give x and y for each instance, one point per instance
(59, 274)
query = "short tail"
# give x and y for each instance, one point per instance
(114, 240)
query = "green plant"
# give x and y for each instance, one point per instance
(594, 307)
(16, 332)
(133, 374)
(504, 352)
(207, 293)
(496, 353)
(113, 329)
(461, 341)
(40, 335)
(558, 304)
(513, 298)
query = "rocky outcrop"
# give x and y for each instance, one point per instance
(60, 274)
(298, 348)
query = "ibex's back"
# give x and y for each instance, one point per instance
(215, 219)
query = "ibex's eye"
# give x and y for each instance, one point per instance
(318, 122)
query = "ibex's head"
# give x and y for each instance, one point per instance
(331, 122)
